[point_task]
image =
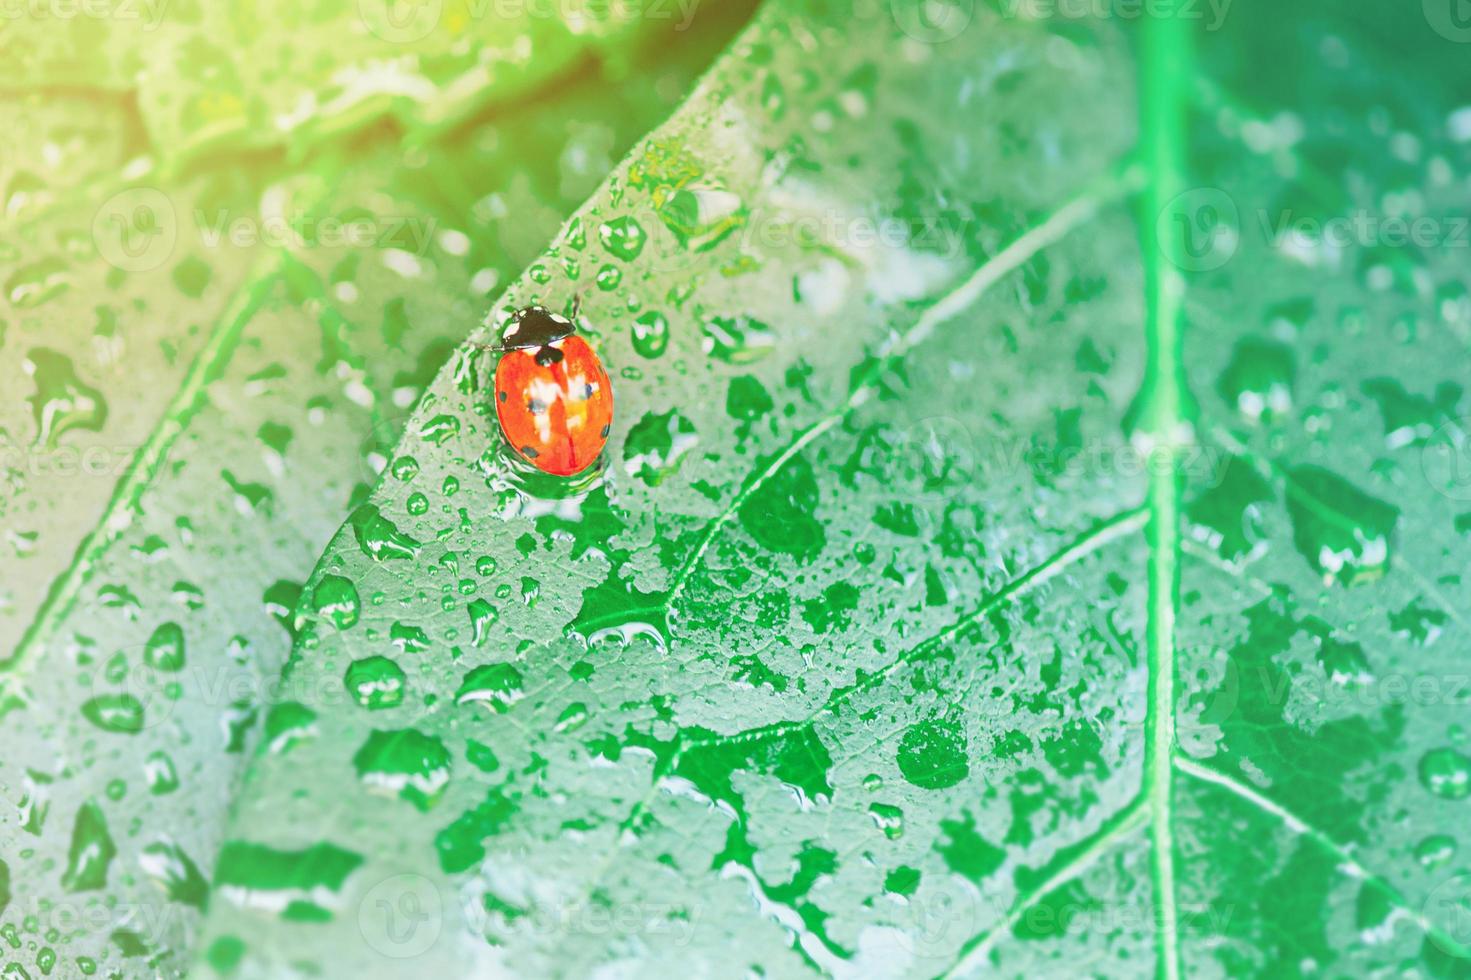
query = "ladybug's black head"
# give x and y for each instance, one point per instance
(535, 326)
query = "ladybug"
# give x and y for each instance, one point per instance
(552, 393)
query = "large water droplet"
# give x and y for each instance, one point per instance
(496, 686)
(406, 762)
(120, 713)
(337, 598)
(622, 237)
(1258, 382)
(91, 851)
(738, 339)
(1344, 533)
(165, 648)
(379, 538)
(650, 334)
(61, 402)
(375, 682)
(172, 870)
(932, 755)
(1446, 773)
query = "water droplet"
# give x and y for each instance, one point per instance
(61, 402)
(574, 716)
(656, 444)
(375, 682)
(1343, 532)
(608, 278)
(497, 686)
(932, 754)
(738, 339)
(650, 334)
(165, 648)
(408, 638)
(406, 762)
(290, 883)
(379, 538)
(287, 723)
(1436, 851)
(702, 216)
(623, 237)
(440, 429)
(91, 851)
(405, 468)
(1446, 773)
(482, 616)
(889, 819)
(120, 713)
(159, 770)
(37, 282)
(1258, 382)
(172, 870)
(337, 599)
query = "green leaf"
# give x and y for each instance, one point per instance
(175, 457)
(266, 73)
(775, 662)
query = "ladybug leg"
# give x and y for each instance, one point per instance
(576, 304)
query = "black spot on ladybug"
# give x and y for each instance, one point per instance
(535, 326)
(502, 395)
(588, 393)
(529, 452)
(547, 356)
(536, 407)
(605, 431)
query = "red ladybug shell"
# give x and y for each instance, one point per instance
(555, 404)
